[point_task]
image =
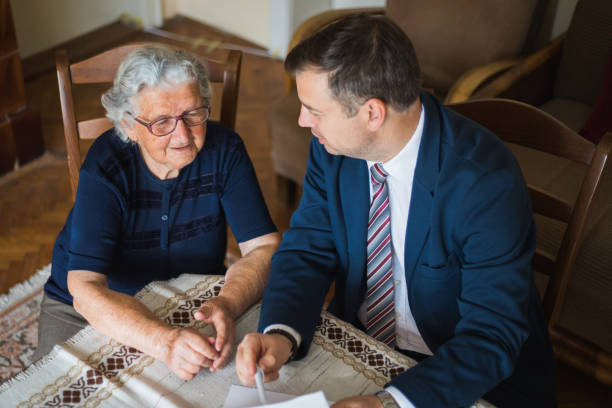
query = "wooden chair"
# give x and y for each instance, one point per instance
(101, 68)
(520, 124)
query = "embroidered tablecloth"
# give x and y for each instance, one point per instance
(91, 370)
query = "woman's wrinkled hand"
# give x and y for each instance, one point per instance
(217, 312)
(186, 351)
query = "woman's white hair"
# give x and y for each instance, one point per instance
(151, 66)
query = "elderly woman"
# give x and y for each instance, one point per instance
(153, 199)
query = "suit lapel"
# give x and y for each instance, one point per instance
(425, 178)
(418, 226)
(355, 196)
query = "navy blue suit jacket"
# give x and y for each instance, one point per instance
(469, 242)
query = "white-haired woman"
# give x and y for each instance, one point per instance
(154, 195)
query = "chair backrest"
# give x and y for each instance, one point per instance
(522, 124)
(102, 68)
(453, 36)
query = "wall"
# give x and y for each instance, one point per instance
(303, 10)
(563, 16)
(281, 27)
(249, 19)
(338, 4)
(42, 24)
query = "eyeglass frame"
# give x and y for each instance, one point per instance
(176, 118)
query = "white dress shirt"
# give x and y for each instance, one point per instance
(400, 170)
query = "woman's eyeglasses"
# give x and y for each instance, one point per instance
(166, 125)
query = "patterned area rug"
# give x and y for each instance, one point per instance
(19, 312)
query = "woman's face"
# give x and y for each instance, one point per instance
(166, 155)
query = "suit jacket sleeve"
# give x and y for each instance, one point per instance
(494, 229)
(303, 268)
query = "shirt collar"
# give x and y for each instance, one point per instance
(405, 161)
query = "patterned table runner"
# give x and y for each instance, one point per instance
(90, 370)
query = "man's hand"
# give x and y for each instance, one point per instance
(268, 351)
(361, 401)
(185, 351)
(217, 312)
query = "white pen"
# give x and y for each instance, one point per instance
(259, 381)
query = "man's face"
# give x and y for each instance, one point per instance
(327, 119)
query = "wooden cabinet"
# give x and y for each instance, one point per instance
(20, 127)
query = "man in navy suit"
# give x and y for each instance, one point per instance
(461, 297)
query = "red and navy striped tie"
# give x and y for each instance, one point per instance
(380, 297)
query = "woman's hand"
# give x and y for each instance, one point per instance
(217, 312)
(244, 285)
(185, 351)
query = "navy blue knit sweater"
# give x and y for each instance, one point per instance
(135, 228)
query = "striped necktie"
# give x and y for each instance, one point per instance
(380, 297)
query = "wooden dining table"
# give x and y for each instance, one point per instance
(92, 370)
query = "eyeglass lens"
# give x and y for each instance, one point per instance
(194, 117)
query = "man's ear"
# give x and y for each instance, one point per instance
(376, 113)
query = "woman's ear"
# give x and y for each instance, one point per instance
(376, 113)
(129, 130)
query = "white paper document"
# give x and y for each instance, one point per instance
(245, 397)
